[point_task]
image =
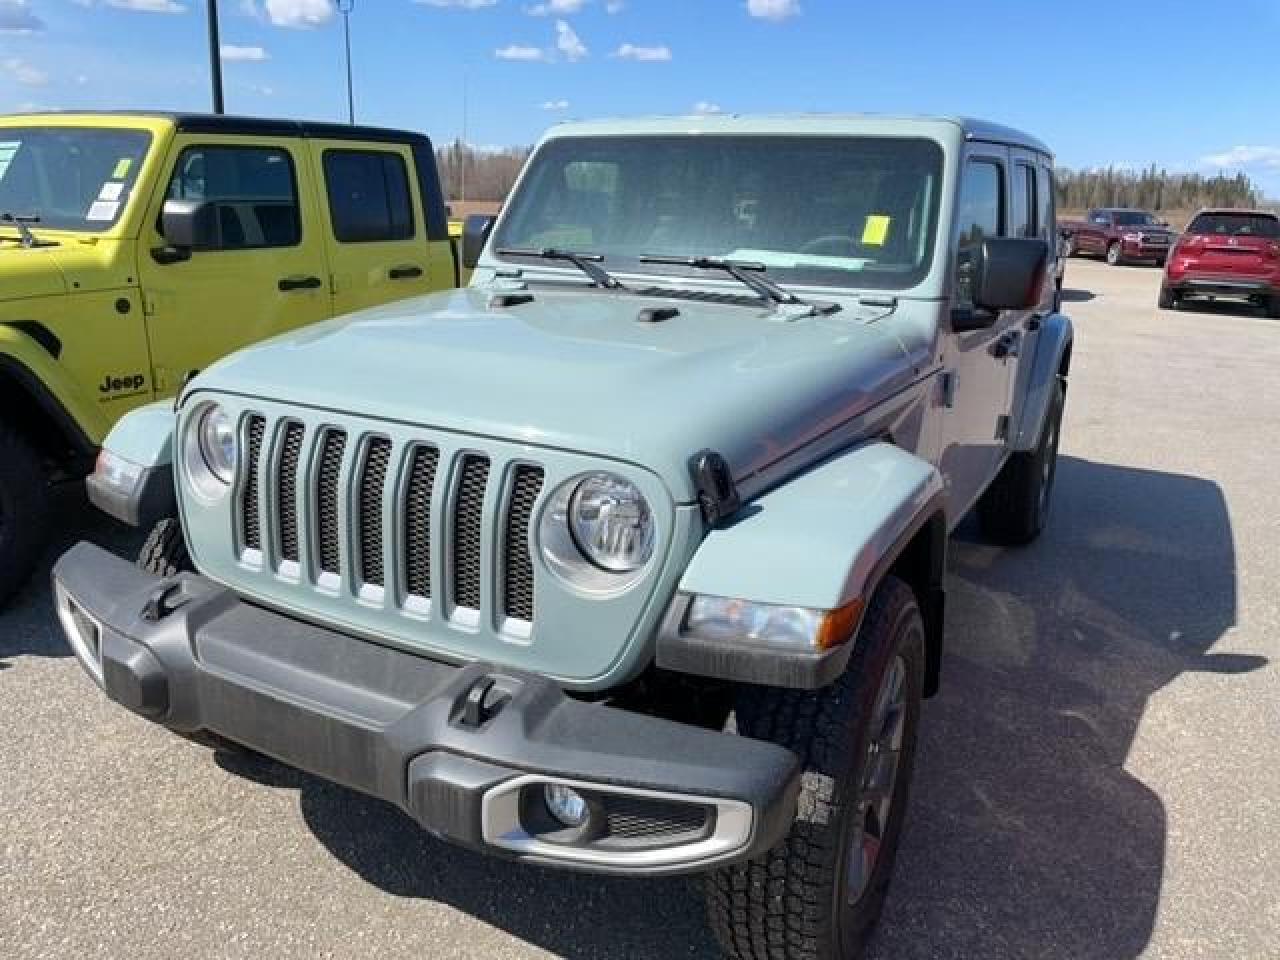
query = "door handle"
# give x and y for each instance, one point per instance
(299, 282)
(407, 271)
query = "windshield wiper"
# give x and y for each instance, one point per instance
(20, 222)
(588, 263)
(745, 272)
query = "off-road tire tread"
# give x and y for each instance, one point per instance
(24, 476)
(778, 905)
(164, 552)
(1008, 509)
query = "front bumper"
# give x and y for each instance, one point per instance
(466, 751)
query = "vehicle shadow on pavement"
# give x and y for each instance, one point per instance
(1073, 295)
(1027, 837)
(27, 624)
(1222, 308)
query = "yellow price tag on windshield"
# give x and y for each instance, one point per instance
(876, 230)
(122, 168)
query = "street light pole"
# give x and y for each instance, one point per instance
(345, 7)
(215, 55)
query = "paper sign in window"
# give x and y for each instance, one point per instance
(876, 230)
(102, 210)
(122, 168)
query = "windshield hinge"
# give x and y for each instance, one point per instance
(713, 480)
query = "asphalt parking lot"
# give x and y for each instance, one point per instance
(1100, 777)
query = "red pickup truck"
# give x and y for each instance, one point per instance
(1122, 236)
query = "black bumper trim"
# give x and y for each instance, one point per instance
(390, 723)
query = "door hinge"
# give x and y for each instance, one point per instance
(948, 388)
(1002, 427)
(333, 284)
(148, 305)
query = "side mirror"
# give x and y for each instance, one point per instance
(475, 234)
(190, 224)
(1004, 273)
(1009, 273)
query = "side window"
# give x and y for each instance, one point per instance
(253, 188)
(1024, 202)
(981, 214)
(1047, 215)
(369, 198)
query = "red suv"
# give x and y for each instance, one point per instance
(1226, 253)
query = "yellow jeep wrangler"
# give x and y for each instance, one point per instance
(135, 249)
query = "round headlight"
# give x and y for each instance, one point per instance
(217, 438)
(611, 523)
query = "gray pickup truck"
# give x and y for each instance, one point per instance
(630, 557)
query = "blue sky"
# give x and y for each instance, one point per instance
(1101, 82)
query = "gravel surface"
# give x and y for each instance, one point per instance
(1100, 777)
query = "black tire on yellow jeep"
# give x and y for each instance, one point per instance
(819, 893)
(24, 510)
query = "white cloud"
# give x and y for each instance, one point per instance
(298, 14)
(233, 53)
(461, 4)
(706, 107)
(555, 105)
(517, 51)
(1265, 158)
(148, 6)
(16, 17)
(24, 73)
(773, 9)
(556, 8)
(569, 43)
(629, 51)
(614, 6)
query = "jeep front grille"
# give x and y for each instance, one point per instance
(328, 507)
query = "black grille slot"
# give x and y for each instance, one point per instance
(467, 518)
(373, 482)
(335, 442)
(287, 490)
(634, 818)
(417, 521)
(701, 296)
(249, 496)
(517, 588)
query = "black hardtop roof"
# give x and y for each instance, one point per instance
(256, 126)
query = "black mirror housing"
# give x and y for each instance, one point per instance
(190, 224)
(1009, 273)
(475, 234)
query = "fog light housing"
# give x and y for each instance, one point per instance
(566, 804)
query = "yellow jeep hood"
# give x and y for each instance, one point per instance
(30, 272)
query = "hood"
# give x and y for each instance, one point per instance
(579, 371)
(29, 271)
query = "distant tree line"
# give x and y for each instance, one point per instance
(478, 175)
(1152, 189)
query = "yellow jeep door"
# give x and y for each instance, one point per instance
(265, 273)
(375, 231)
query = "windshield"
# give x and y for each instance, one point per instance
(829, 211)
(1124, 218)
(72, 178)
(1236, 225)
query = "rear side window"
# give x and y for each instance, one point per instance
(981, 215)
(1236, 225)
(1024, 201)
(368, 196)
(253, 189)
(1047, 218)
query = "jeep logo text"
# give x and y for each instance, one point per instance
(132, 383)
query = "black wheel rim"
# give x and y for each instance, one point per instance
(876, 790)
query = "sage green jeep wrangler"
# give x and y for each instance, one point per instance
(628, 558)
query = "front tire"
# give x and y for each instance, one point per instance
(1114, 255)
(1015, 508)
(24, 510)
(818, 894)
(1273, 306)
(164, 552)
(1168, 299)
